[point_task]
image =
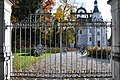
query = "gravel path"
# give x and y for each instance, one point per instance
(72, 63)
(72, 60)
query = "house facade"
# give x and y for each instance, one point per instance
(94, 33)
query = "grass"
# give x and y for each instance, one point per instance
(20, 62)
(24, 60)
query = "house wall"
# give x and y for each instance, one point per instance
(84, 38)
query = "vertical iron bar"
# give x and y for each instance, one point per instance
(76, 31)
(35, 30)
(50, 51)
(60, 50)
(87, 38)
(55, 47)
(85, 51)
(45, 43)
(44, 32)
(40, 37)
(106, 50)
(20, 44)
(38, 24)
(30, 35)
(25, 43)
(71, 61)
(96, 48)
(36, 46)
(11, 50)
(81, 61)
(15, 44)
(93, 39)
(39, 40)
(40, 27)
(111, 65)
(66, 50)
(76, 62)
(101, 48)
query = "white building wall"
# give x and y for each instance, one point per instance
(89, 31)
(104, 36)
(84, 38)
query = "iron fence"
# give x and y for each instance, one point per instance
(53, 50)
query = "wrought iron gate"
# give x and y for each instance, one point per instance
(54, 49)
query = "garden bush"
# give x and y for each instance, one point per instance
(98, 52)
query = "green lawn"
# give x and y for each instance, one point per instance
(22, 60)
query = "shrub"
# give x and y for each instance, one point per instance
(98, 52)
(23, 50)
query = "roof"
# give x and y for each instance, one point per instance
(95, 2)
(95, 7)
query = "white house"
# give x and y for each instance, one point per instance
(95, 32)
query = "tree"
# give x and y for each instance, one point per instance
(71, 35)
(22, 8)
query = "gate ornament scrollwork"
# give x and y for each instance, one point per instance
(37, 50)
(82, 49)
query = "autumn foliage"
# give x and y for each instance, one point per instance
(62, 12)
(47, 5)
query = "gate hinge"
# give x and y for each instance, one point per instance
(116, 56)
(4, 58)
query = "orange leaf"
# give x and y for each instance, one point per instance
(47, 19)
(48, 5)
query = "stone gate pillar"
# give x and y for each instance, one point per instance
(115, 10)
(1, 40)
(5, 39)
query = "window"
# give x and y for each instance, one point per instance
(98, 43)
(90, 39)
(90, 30)
(98, 33)
(80, 31)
